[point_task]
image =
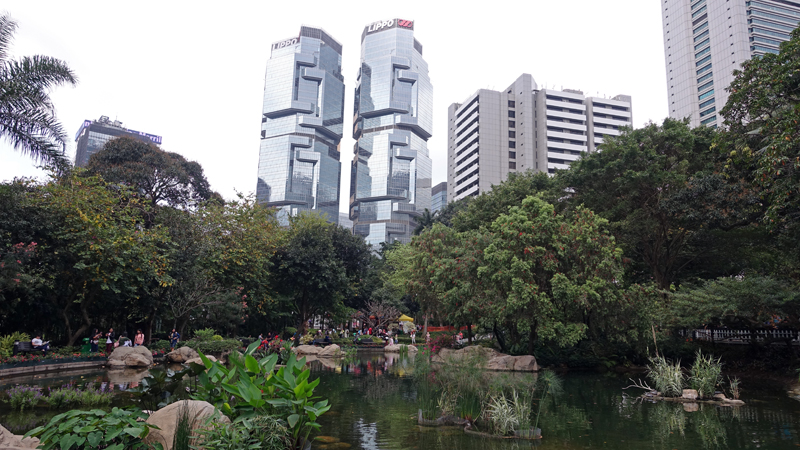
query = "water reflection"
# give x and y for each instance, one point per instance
(374, 407)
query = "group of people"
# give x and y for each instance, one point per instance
(112, 341)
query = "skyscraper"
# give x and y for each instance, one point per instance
(390, 181)
(94, 134)
(705, 40)
(494, 133)
(302, 125)
(439, 196)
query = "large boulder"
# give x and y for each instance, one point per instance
(526, 363)
(397, 348)
(502, 362)
(330, 351)
(123, 357)
(447, 355)
(307, 350)
(200, 361)
(181, 355)
(9, 441)
(166, 420)
(494, 359)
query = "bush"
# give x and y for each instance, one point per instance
(667, 377)
(260, 432)
(119, 429)
(21, 397)
(206, 334)
(217, 338)
(705, 375)
(67, 397)
(159, 345)
(212, 346)
(7, 342)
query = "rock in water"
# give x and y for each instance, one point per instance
(123, 357)
(495, 360)
(166, 419)
(200, 361)
(329, 351)
(689, 394)
(307, 350)
(181, 355)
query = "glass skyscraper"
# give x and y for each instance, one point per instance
(302, 125)
(391, 172)
(93, 135)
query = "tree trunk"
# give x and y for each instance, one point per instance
(82, 329)
(149, 335)
(500, 340)
(425, 327)
(532, 339)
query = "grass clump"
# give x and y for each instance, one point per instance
(705, 374)
(667, 377)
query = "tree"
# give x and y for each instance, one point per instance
(761, 131)
(160, 177)
(377, 315)
(661, 191)
(27, 115)
(424, 222)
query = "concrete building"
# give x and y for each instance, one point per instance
(706, 40)
(494, 133)
(302, 125)
(94, 134)
(390, 184)
(439, 197)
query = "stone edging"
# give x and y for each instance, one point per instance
(49, 368)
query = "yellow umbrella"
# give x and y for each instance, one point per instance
(405, 318)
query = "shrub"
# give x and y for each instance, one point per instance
(217, 338)
(260, 432)
(667, 377)
(7, 342)
(21, 397)
(705, 374)
(211, 346)
(206, 334)
(160, 344)
(118, 429)
(67, 396)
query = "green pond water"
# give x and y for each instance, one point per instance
(374, 407)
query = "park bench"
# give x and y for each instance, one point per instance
(25, 347)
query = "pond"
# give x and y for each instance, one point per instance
(374, 407)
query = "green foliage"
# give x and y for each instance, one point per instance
(734, 386)
(214, 346)
(705, 375)
(21, 397)
(182, 439)
(7, 342)
(68, 397)
(217, 337)
(667, 377)
(259, 432)
(161, 387)
(205, 334)
(116, 430)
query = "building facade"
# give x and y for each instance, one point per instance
(390, 183)
(494, 133)
(344, 221)
(94, 134)
(438, 197)
(302, 125)
(706, 40)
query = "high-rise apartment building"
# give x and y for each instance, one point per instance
(439, 196)
(390, 182)
(302, 125)
(494, 133)
(706, 40)
(94, 134)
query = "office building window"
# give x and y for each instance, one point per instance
(512, 144)
(511, 124)
(511, 103)
(512, 155)
(511, 114)
(512, 165)
(512, 134)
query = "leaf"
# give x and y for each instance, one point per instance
(292, 420)
(135, 432)
(94, 438)
(251, 364)
(67, 441)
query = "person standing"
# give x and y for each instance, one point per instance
(138, 339)
(110, 340)
(427, 338)
(413, 337)
(174, 337)
(95, 340)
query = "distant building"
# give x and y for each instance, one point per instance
(706, 40)
(390, 181)
(439, 196)
(302, 125)
(494, 133)
(344, 221)
(94, 134)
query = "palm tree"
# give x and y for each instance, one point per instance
(424, 221)
(27, 115)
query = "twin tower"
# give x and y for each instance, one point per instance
(302, 126)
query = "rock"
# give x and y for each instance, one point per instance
(166, 420)
(181, 355)
(396, 348)
(732, 402)
(13, 441)
(691, 407)
(720, 397)
(307, 350)
(526, 363)
(127, 375)
(503, 362)
(123, 357)
(329, 351)
(689, 394)
(447, 354)
(200, 361)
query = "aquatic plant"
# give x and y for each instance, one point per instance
(95, 429)
(182, 439)
(705, 374)
(734, 386)
(21, 397)
(667, 377)
(260, 432)
(550, 384)
(501, 415)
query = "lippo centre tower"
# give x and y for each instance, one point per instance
(390, 183)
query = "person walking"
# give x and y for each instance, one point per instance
(95, 340)
(413, 338)
(110, 340)
(138, 339)
(174, 337)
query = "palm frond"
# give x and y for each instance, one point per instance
(7, 28)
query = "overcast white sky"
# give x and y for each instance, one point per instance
(193, 72)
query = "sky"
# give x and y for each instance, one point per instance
(193, 72)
